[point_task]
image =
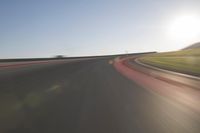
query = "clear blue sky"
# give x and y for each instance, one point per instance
(44, 28)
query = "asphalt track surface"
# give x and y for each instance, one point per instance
(88, 96)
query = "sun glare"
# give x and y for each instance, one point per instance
(185, 27)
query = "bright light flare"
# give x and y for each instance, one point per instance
(185, 27)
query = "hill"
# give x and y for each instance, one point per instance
(195, 45)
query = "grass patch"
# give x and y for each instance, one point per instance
(184, 61)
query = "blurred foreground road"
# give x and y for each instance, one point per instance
(88, 96)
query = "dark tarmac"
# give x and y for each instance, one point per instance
(87, 96)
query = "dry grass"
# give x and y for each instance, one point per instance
(185, 61)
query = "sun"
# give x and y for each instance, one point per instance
(185, 27)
